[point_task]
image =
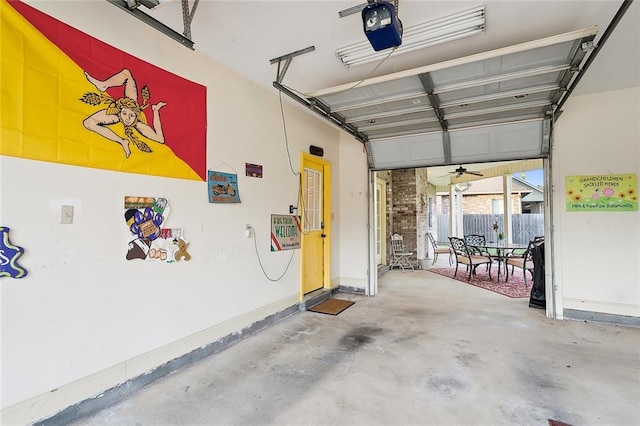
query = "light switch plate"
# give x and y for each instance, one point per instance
(66, 215)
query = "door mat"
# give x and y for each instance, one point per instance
(332, 306)
(557, 423)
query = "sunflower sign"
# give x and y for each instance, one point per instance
(602, 193)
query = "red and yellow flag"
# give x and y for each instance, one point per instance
(69, 98)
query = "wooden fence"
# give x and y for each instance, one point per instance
(524, 227)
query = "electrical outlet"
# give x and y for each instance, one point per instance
(66, 215)
(247, 231)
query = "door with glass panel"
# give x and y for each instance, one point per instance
(314, 226)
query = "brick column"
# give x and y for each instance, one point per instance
(404, 208)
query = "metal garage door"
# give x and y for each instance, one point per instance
(493, 106)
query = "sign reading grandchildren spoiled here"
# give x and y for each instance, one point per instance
(602, 193)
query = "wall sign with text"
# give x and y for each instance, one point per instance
(223, 187)
(602, 193)
(285, 232)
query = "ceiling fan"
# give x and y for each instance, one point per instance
(461, 171)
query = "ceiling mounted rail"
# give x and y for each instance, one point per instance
(322, 110)
(284, 66)
(427, 83)
(131, 7)
(187, 16)
(357, 9)
(314, 105)
(351, 10)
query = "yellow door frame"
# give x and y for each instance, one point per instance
(326, 214)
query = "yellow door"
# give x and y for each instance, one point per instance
(315, 243)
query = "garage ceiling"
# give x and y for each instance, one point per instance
(488, 97)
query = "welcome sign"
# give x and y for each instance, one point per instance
(285, 232)
(602, 193)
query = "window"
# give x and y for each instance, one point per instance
(497, 206)
(313, 198)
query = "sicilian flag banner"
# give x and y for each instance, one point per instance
(69, 98)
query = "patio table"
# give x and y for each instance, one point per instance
(499, 251)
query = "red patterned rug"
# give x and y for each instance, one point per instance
(514, 288)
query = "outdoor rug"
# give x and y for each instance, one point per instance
(332, 306)
(514, 288)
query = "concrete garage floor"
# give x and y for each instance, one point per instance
(426, 351)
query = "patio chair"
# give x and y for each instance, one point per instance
(401, 257)
(475, 241)
(523, 261)
(437, 249)
(476, 244)
(465, 256)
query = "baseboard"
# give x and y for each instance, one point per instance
(347, 282)
(98, 391)
(315, 298)
(382, 269)
(603, 307)
(320, 296)
(351, 290)
(574, 314)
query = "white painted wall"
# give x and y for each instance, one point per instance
(86, 319)
(597, 255)
(353, 219)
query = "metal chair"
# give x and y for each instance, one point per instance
(476, 245)
(475, 241)
(465, 256)
(401, 257)
(523, 261)
(439, 249)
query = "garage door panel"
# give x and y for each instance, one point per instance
(400, 105)
(544, 56)
(506, 141)
(409, 151)
(487, 107)
(525, 137)
(478, 108)
(460, 73)
(409, 130)
(470, 142)
(364, 94)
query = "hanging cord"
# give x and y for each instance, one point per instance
(255, 245)
(253, 231)
(306, 95)
(224, 163)
(286, 139)
(372, 71)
